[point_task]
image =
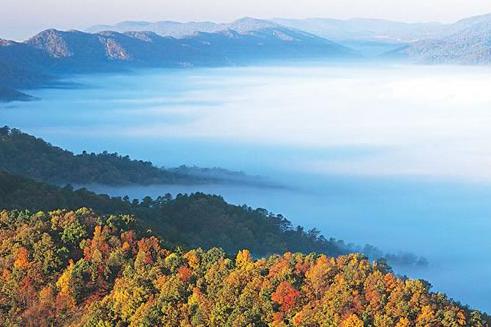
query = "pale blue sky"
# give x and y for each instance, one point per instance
(22, 18)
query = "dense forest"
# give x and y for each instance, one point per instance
(196, 220)
(26, 155)
(170, 261)
(76, 268)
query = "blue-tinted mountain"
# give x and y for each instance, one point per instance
(164, 28)
(368, 36)
(52, 53)
(22, 66)
(246, 25)
(362, 29)
(466, 42)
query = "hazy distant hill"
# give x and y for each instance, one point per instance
(178, 30)
(362, 29)
(333, 29)
(51, 53)
(164, 28)
(466, 42)
(369, 36)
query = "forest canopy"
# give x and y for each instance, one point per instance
(76, 268)
(196, 220)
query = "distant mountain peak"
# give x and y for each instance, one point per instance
(51, 41)
(43, 35)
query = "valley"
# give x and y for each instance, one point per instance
(181, 170)
(344, 177)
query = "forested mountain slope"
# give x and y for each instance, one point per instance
(75, 268)
(26, 155)
(196, 220)
(188, 220)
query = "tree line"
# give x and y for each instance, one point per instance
(26, 155)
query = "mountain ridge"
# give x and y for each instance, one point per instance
(466, 41)
(185, 29)
(44, 57)
(41, 59)
(248, 24)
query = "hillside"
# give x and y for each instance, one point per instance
(32, 157)
(20, 68)
(75, 268)
(196, 220)
(78, 51)
(52, 53)
(362, 29)
(465, 42)
(9, 94)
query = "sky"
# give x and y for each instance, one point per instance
(23, 18)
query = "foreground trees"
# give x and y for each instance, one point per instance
(80, 269)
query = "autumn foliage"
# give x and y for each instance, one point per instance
(74, 268)
(286, 296)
